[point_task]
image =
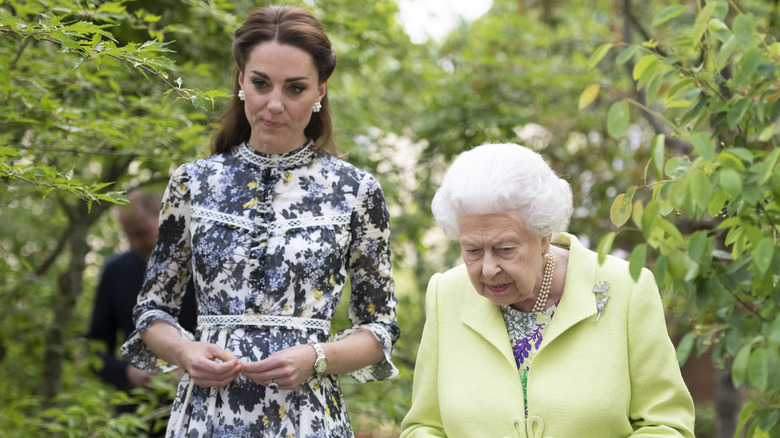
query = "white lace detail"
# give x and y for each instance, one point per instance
(283, 226)
(217, 216)
(282, 160)
(278, 226)
(264, 321)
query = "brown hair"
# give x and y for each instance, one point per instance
(290, 25)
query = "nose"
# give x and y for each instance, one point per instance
(275, 104)
(490, 265)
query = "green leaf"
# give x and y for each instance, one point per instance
(647, 61)
(684, 348)
(731, 181)
(605, 246)
(703, 145)
(743, 29)
(722, 59)
(589, 95)
(637, 260)
(750, 61)
(763, 253)
(701, 23)
(773, 363)
(620, 211)
(717, 202)
(618, 118)
(676, 167)
(739, 368)
(758, 370)
(767, 420)
(737, 112)
(598, 55)
(698, 244)
(657, 155)
(668, 13)
(626, 54)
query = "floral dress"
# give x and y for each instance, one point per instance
(274, 238)
(525, 334)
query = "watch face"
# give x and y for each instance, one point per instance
(321, 365)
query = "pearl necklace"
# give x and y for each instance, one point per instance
(544, 291)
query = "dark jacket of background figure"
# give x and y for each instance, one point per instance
(117, 292)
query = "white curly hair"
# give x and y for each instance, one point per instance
(503, 179)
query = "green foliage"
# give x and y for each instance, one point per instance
(710, 218)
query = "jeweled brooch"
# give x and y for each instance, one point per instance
(600, 289)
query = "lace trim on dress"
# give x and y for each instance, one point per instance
(289, 159)
(224, 218)
(278, 226)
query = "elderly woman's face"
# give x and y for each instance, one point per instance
(504, 261)
(281, 85)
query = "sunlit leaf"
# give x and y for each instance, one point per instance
(598, 55)
(644, 63)
(668, 13)
(618, 119)
(701, 22)
(589, 95)
(605, 246)
(731, 181)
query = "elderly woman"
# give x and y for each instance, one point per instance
(531, 336)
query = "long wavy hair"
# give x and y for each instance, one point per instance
(293, 26)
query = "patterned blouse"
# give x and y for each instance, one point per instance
(273, 236)
(525, 334)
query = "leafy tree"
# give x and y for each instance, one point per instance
(706, 209)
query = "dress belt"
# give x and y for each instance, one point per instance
(264, 321)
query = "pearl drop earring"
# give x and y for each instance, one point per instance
(317, 107)
(241, 95)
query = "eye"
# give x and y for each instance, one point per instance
(297, 89)
(259, 83)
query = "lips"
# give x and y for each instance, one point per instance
(497, 288)
(272, 124)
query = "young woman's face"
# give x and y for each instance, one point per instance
(281, 85)
(504, 261)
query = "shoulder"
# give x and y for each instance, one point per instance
(126, 261)
(455, 283)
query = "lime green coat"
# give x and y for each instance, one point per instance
(617, 377)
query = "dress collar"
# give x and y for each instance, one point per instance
(295, 158)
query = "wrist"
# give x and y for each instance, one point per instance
(320, 361)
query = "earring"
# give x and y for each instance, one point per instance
(241, 95)
(317, 107)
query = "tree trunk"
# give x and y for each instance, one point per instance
(71, 284)
(728, 402)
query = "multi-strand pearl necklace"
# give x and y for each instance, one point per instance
(544, 290)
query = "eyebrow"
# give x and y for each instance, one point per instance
(265, 76)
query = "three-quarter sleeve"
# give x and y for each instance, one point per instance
(167, 273)
(372, 304)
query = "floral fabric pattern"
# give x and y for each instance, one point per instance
(269, 235)
(525, 333)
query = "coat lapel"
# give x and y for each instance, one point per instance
(485, 319)
(577, 302)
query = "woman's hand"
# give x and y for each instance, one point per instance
(209, 365)
(288, 368)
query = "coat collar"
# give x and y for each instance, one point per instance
(577, 302)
